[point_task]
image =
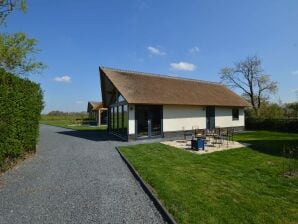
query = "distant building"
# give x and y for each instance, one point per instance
(97, 112)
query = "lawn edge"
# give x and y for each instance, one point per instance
(157, 203)
(69, 128)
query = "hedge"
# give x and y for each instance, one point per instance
(21, 102)
(282, 125)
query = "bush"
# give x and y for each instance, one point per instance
(283, 125)
(20, 107)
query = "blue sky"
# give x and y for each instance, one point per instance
(192, 39)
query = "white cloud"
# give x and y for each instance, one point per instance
(183, 66)
(295, 72)
(194, 50)
(64, 78)
(155, 50)
(79, 102)
(294, 90)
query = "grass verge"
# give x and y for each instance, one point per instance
(244, 185)
(69, 122)
(70, 125)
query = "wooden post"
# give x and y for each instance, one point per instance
(99, 117)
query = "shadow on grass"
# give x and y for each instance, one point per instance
(273, 147)
(92, 135)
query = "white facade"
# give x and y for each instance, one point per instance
(223, 117)
(179, 118)
(131, 119)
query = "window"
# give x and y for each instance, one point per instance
(120, 124)
(235, 114)
(111, 118)
(125, 119)
(118, 115)
(115, 119)
(120, 98)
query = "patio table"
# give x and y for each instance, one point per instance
(210, 137)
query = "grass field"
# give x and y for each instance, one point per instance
(69, 121)
(244, 185)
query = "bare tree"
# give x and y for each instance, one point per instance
(249, 77)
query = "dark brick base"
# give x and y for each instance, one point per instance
(132, 137)
(181, 134)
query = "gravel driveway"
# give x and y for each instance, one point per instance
(76, 177)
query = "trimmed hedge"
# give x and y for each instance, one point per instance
(282, 125)
(21, 102)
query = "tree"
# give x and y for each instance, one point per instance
(17, 54)
(271, 111)
(7, 6)
(292, 109)
(248, 76)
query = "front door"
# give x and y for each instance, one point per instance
(210, 117)
(148, 121)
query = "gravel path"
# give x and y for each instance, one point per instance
(76, 177)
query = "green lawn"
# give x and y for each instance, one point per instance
(70, 122)
(69, 125)
(236, 186)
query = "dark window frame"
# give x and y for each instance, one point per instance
(118, 116)
(125, 121)
(235, 114)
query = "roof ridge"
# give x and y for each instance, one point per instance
(159, 75)
(94, 101)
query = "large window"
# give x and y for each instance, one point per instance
(120, 98)
(125, 119)
(120, 124)
(119, 116)
(111, 122)
(235, 114)
(115, 125)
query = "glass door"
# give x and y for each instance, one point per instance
(148, 121)
(142, 122)
(210, 117)
(155, 121)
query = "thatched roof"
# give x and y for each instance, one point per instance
(144, 88)
(93, 105)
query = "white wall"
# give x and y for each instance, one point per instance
(131, 119)
(175, 118)
(223, 117)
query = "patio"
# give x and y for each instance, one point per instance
(209, 146)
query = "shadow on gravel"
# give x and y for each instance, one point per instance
(98, 135)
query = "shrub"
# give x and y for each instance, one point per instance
(20, 107)
(283, 125)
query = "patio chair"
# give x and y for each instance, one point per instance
(199, 133)
(225, 135)
(231, 132)
(209, 134)
(186, 133)
(219, 136)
